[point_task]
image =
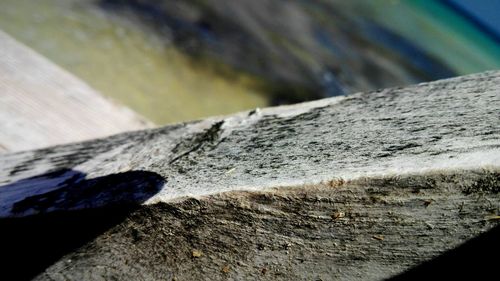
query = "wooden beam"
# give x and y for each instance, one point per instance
(42, 105)
(363, 187)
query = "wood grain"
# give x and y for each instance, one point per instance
(365, 187)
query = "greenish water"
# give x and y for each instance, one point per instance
(295, 50)
(126, 61)
(435, 28)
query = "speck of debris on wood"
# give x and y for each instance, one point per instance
(428, 202)
(338, 215)
(197, 254)
(493, 217)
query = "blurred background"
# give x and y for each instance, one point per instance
(172, 60)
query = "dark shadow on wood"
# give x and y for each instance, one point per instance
(476, 259)
(30, 244)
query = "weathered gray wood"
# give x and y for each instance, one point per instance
(356, 188)
(43, 105)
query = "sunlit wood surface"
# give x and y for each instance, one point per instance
(41, 104)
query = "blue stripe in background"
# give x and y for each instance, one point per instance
(485, 14)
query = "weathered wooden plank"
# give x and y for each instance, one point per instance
(43, 105)
(356, 188)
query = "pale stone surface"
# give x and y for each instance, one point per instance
(43, 105)
(355, 188)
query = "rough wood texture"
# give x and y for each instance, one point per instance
(357, 188)
(43, 105)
